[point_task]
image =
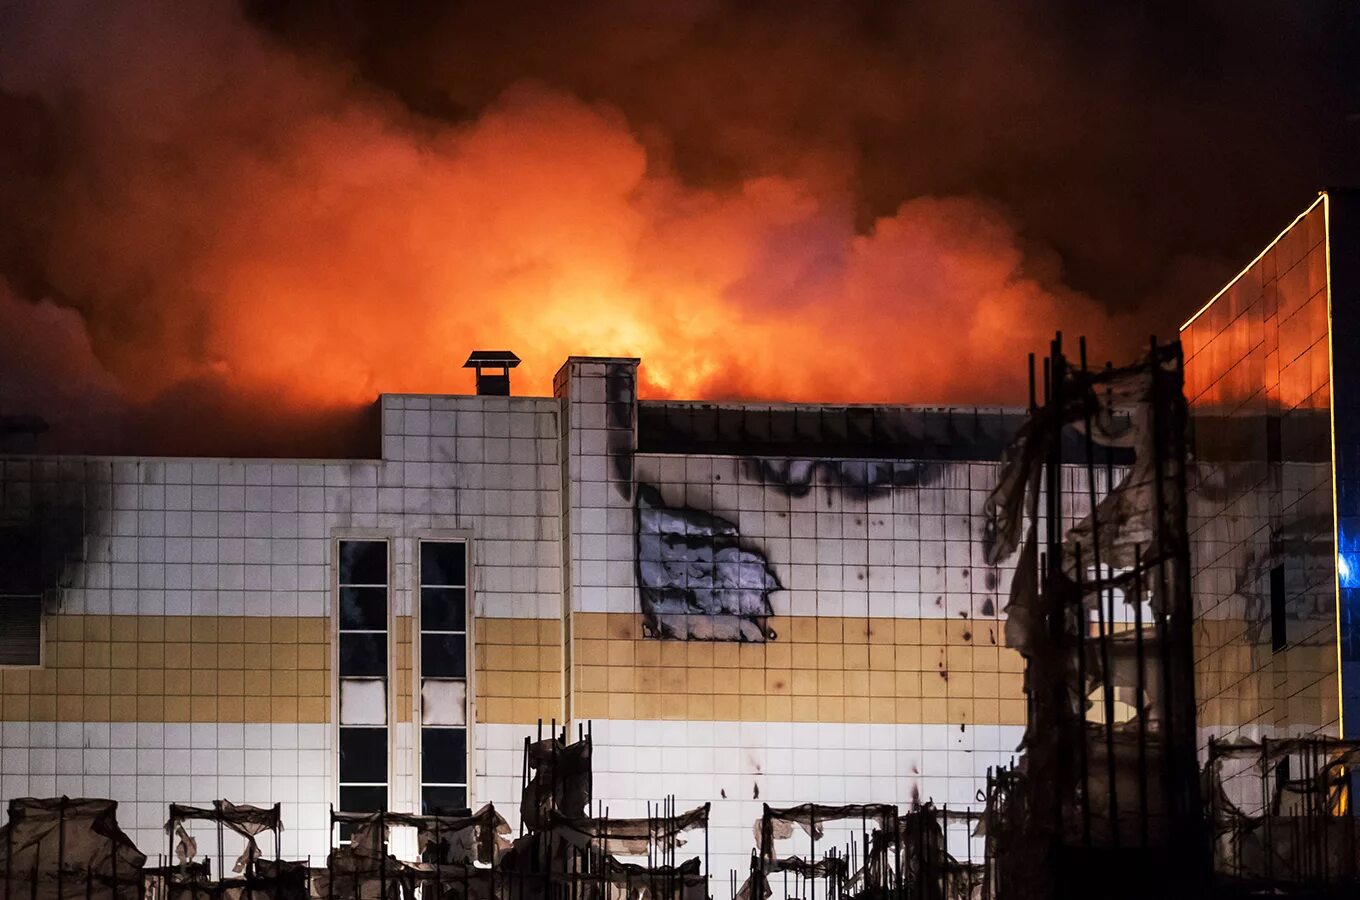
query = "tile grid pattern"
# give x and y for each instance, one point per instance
(1257, 363)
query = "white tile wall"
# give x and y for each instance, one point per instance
(254, 538)
(146, 766)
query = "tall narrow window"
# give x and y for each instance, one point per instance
(1278, 635)
(362, 629)
(443, 676)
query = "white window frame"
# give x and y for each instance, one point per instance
(333, 758)
(444, 535)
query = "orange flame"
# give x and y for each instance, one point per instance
(260, 227)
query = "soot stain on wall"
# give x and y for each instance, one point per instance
(50, 510)
(858, 477)
(620, 402)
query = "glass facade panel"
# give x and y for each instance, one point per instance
(1257, 378)
(1342, 277)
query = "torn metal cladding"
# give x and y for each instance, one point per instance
(1109, 763)
(697, 580)
(1283, 812)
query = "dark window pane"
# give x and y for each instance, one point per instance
(442, 656)
(363, 755)
(363, 799)
(447, 801)
(20, 631)
(1279, 634)
(363, 562)
(363, 654)
(363, 608)
(443, 755)
(443, 563)
(441, 609)
(20, 561)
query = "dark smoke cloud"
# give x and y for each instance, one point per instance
(1127, 137)
(226, 228)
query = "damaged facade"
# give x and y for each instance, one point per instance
(751, 603)
(1272, 382)
(798, 628)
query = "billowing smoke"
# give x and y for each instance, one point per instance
(227, 231)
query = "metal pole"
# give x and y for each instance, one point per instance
(812, 856)
(708, 874)
(1268, 810)
(9, 854)
(61, 843)
(1106, 636)
(1171, 805)
(113, 867)
(1139, 695)
(330, 856)
(438, 862)
(1083, 765)
(221, 859)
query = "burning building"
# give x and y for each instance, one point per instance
(751, 603)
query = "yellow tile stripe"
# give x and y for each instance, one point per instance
(100, 668)
(819, 669)
(175, 669)
(1240, 680)
(519, 670)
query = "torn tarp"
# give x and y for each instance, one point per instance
(64, 849)
(1283, 810)
(776, 823)
(561, 782)
(1120, 406)
(630, 881)
(354, 873)
(445, 839)
(243, 819)
(630, 837)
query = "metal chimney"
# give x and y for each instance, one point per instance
(493, 371)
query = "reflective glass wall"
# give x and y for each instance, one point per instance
(1343, 229)
(1262, 524)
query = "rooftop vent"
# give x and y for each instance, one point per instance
(493, 371)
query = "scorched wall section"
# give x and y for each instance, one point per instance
(774, 625)
(191, 654)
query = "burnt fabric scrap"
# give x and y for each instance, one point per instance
(63, 848)
(630, 837)
(1118, 405)
(245, 820)
(361, 872)
(561, 782)
(449, 840)
(777, 823)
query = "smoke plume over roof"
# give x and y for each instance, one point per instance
(226, 228)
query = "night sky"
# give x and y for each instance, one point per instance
(225, 227)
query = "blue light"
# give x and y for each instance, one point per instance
(1347, 570)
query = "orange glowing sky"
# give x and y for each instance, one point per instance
(250, 238)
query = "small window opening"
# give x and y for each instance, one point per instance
(1278, 634)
